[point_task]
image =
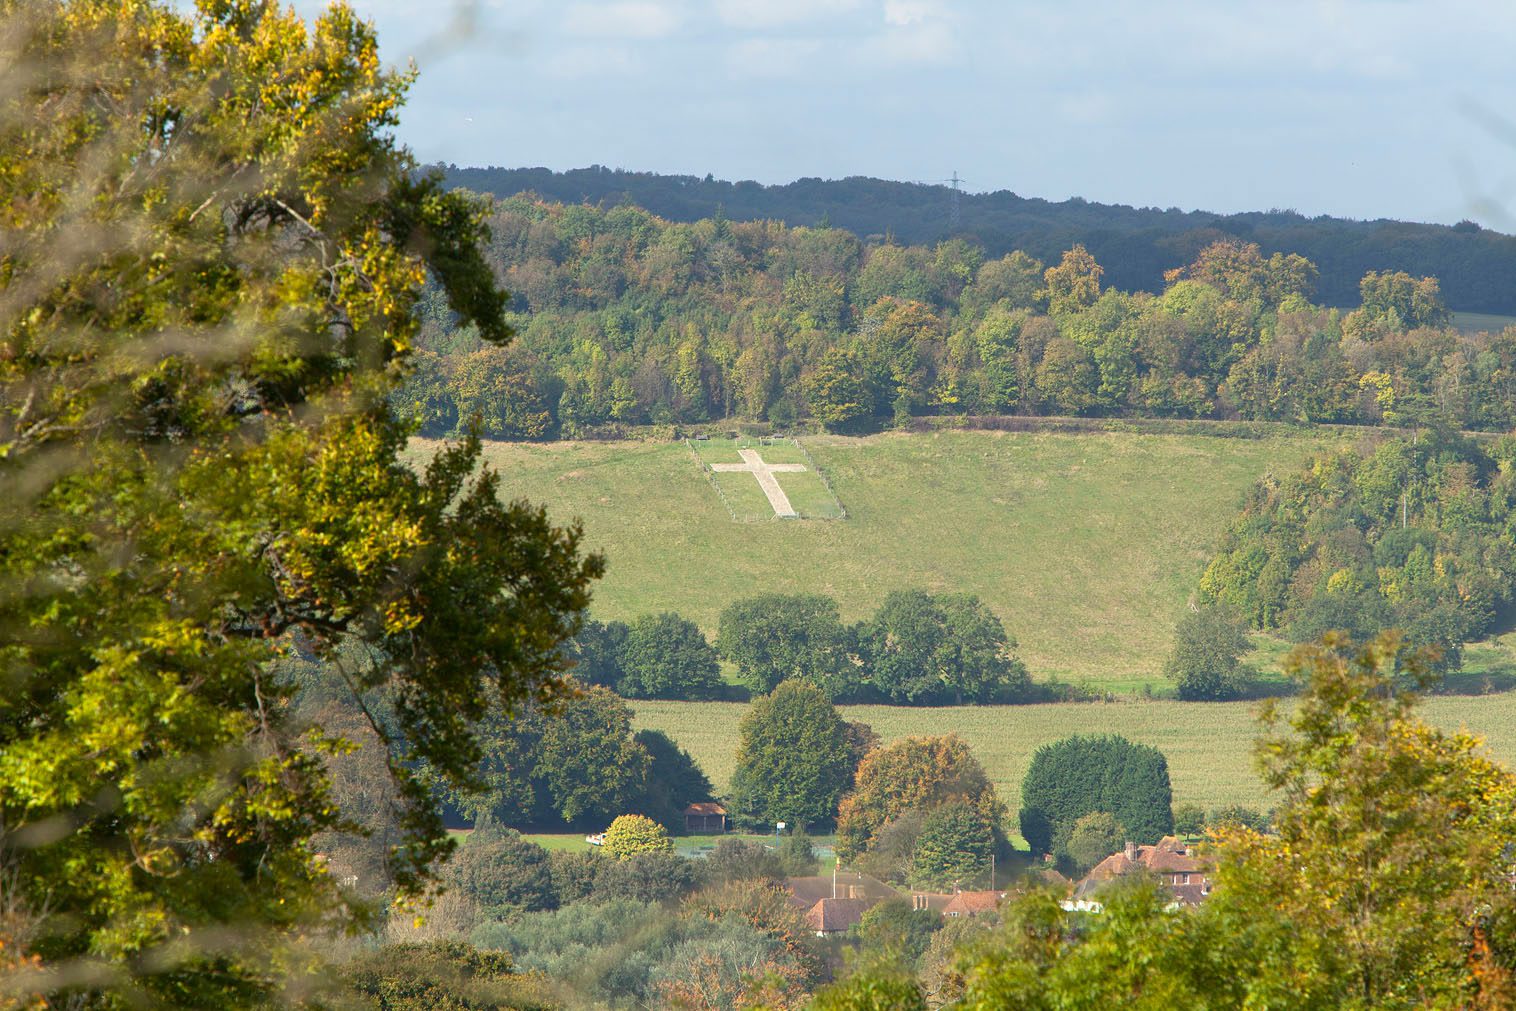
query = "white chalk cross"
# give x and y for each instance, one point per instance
(753, 464)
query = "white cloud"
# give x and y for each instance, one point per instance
(779, 13)
(915, 32)
(773, 57)
(628, 19)
(904, 13)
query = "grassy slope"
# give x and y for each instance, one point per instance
(1086, 545)
(1209, 746)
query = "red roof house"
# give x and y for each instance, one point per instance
(1172, 862)
(972, 904)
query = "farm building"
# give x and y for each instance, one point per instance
(705, 818)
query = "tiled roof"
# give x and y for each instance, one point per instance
(832, 915)
(705, 807)
(971, 903)
(848, 883)
(1169, 856)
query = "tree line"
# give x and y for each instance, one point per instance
(1137, 244)
(1413, 533)
(627, 319)
(917, 649)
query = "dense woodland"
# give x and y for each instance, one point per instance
(628, 319)
(1416, 534)
(1137, 245)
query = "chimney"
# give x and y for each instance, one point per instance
(1131, 851)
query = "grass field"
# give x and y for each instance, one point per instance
(1085, 545)
(1473, 322)
(1208, 745)
(806, 490)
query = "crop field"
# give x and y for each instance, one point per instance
(1086, 545)
(1208, 745)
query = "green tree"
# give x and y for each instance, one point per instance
(575, 761)
(1094, 837)
(1015, 279)
(1189, 819)
(674, 780)
(921, 649)
(595, 652)
(1387, 878)
(914, 774)
(793, 759)
(775, 637)
(214, 249)
(740, 860)
(1074, 284)
(1071, 778)
(954, 847)
(666, 657)
(835, 392)
(635, 833)
(797, 855)
(1207, 645)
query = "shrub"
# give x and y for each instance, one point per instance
(636, 833)
(502, 872)
(440, 976)
(648, 877)
(574, 875)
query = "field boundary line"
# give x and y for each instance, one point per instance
(826, 482)
(710, 476)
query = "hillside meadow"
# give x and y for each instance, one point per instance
(1086, 545)
(1208, 745)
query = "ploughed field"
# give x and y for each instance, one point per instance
(1208, 745)
(1086, 545)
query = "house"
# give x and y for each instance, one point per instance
(1174, 863)
(935, 901)
(836, 916)
(806, 892)
(705, 818)
(972, 904)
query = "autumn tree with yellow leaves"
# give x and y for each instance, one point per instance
(212, 247)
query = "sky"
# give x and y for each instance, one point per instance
(1357, 108)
